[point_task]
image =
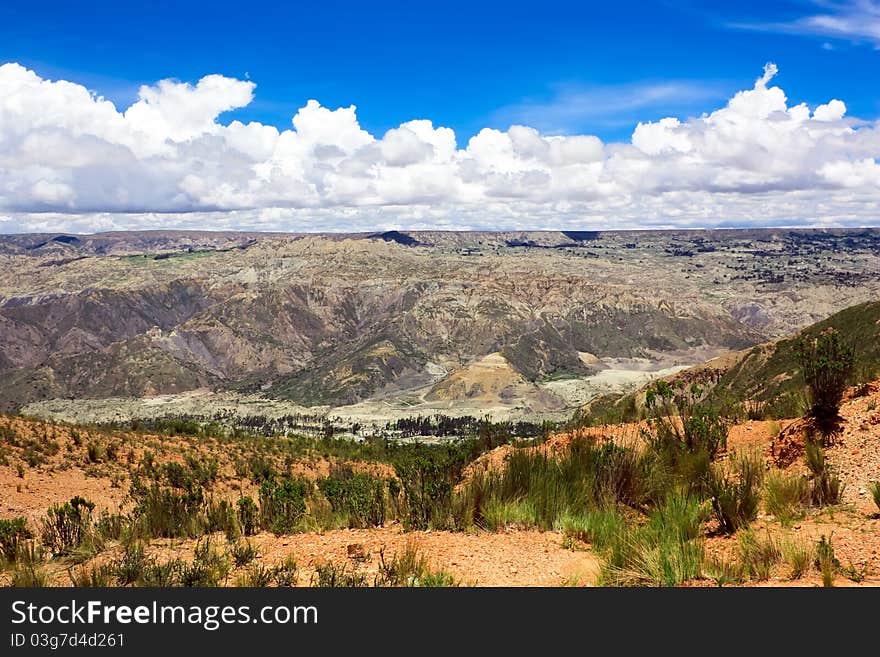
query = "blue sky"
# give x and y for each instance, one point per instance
(466, 65)
(570, 115)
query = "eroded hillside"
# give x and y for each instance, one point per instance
(398, 318)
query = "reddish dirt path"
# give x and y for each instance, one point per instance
(511, 558)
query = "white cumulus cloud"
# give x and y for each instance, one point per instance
(71, 160)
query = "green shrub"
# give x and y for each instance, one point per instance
(112, 526)
(540, 489)
(130, 567)
(13, 533)
(30, 571)
(758, 556)
(177, 476)
(248, 516)
(243, 552)
(665, 551)
(705, 430)
(681, 515)
(827, 364)
(826, 561)
(427, 476)
(261, 468)
(410, 567)
(165, 574)
(798, 556)
(168, 513)
(825, 486)
(785, 495)
(221, 516)
(648, 559)
(96, 452)
(681, 424)
(499, 514)
(257, 576)
(724, 572)
(208, 568)
(360, 496)
(735, 495)
(283, 504)
(95, 576)
(286, 573)
(405, 568)
(203, 470)
(66, 527)
(330, 575)
(600, 527)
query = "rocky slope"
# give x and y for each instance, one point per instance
(336, 319)
(766, 377)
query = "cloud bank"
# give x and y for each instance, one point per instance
(70, 160)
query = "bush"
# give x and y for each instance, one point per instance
(826, 561)
(498, 515)
(409, 567)
(360, 496)
(112, 526)
(130, 567)
(220, 516)
(162, 574)
(248, 516)
(67, 526)
(260, 468)
(539, 489)
(785, 495)
(666, 551)
(405, 568)
(29, 569)
(167, 513)
(825, 486)
(681, 515)
(286, 573)
(203, 470)
(330, 575)
(649, 559)
(243, 553)
(735, 495)
(758, 557)
(95, 576)
(13, 533)
(682, 424)
(257, 576)
(684, 446)
(724, 572)
(599, 527)
(705, 430)
(798, 556)
(283, 504)
(827, 364)
(427, 476)
(96, 452)
(208, 568)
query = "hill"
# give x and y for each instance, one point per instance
(765, 379)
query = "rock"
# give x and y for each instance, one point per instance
(356, 552)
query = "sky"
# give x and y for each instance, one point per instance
(343, 116)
